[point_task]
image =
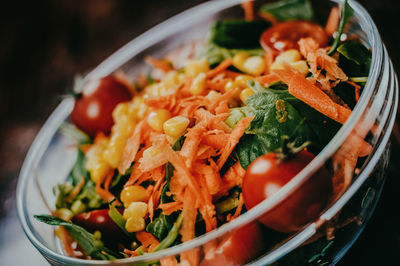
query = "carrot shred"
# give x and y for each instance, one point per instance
(76, 190)
(213, 121)
(131, 252)
(215, 141)
(248, 10)
(85, 147)
(233, 177)
(191, 144)
(148, 164)
(267, 79)
(131, 148)
(211, 176)
(234, 137)
(161, 64)
(171, 207)
(333, 21)
(147, 240)
(224, 97)
(305, 91)
(104, 193)
(189, 213)
(220, 68)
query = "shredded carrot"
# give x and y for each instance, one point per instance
(191, 144)
(211, 176)
(131, 148)
(66, 240)
(248, 10)
(163, 65)
(333, 21)
(131, 252)
(216, 141)
(206, 152)
(162, 102)
(148, 164)
(169, 261)
(76, 190)
(234, 137)
(221, 67)
(233, 177)
(267, 79)
(104, 193)
(305, 91)
(213, 121)
(147, 240)
(207, 210)
(189, 213)
(85, 147)
(171, 207)
(357, 89)
(226, 96)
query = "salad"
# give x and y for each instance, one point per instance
(204, 137)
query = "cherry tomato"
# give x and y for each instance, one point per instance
(239, 248)
(99, 220)
(93, 109)
(267, 174)
(284, 36)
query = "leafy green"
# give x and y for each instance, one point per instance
(92, 246)
(172, 235)
(354, 59)
(160, 226)
(346, 92)
(216, 54)
(228, 204)
(116, 216)
(345, 14)
(277, 114)
(238, 34)
(289, 9)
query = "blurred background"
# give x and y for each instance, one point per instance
(45, 43)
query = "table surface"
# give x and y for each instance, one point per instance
(44, 44)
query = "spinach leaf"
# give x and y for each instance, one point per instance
(354, 59)
(92, 246)
(345, 14)
(289, 9)
(160, 226)
(277, 114)
(172, 235)
(346, 92)
(216, 54)
(238, 34)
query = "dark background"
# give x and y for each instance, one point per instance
(43, 44)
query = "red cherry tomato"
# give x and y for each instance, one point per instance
(284, 36)
(239, 248)
(93, 110)
(99, 220)
(266, 175)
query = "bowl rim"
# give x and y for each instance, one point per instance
(157, 33)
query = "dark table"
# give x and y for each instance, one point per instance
(45, 43)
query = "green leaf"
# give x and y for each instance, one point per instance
(289, 10)
(346, 92)
(93, 247)
(345, 14)
(277, 114)
(160, 226)
(228, 204)
(172, 235)
(354, 59)
(238, 34)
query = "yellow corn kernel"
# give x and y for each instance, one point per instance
(289, 56)
(171, 79)
(254, 65)
(95, 164)
(135, 224)
(241, 81)
(230, 85)
(176, 126)
(133, 194)
(239, 59)
(198, 84)
(213, 95)
(157, 118)
(135, 209)
(120, 110)
(246, 93)
(171, 140)
(64, 214)
(301, 66)
(151, 152)
(277, 65)
(194, 67)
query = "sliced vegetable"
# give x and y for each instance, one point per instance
(288, 10)
(345, 14)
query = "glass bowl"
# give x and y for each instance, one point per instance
(325, 240)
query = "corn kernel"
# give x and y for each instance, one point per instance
(64, 214)
(171, 79)
(246, 93)
(213, 95)
(171, 140)
(239, 59)
(288, 56)
(157, 118)
(135, 209)
(194, 67)
(277, 65)
(133, 194)
(241, 81)
(301, 66)
(95, 164)
(151, 152)
(198, 84)
(176, 126)
(254, 65)
(135, 224)
(230, 85)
